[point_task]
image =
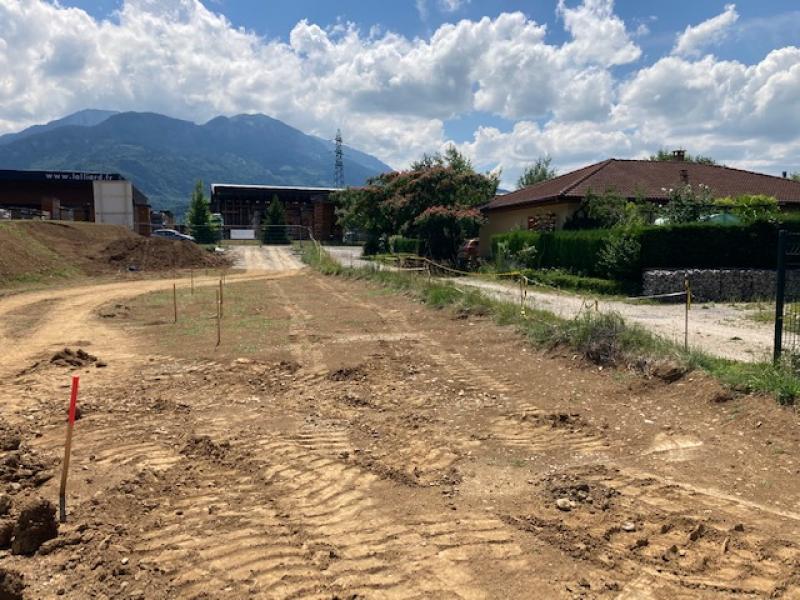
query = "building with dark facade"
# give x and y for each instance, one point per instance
(243, 207)
(75, 196)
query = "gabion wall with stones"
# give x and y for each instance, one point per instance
(719, 285)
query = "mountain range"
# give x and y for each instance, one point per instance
(164, 157)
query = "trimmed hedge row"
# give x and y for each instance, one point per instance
(576, 251)
(695, 245)
(403, 245)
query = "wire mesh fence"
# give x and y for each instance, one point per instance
(787, 299)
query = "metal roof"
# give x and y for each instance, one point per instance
(214, 186)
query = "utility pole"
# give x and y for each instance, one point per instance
(338, 173)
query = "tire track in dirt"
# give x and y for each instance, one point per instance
(691, 543)
(753, 571)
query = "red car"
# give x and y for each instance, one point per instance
(469, 251)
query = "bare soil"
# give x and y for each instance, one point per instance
(381, 449)
(42, 251)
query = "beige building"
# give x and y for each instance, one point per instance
(548, 205)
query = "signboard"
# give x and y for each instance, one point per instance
(243, 234)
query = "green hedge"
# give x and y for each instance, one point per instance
(403, 245)
(572, 250)
(695, 245)
(702, 245)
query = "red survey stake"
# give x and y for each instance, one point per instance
(62, 494)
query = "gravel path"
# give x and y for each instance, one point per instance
(265, 258)
(719, 329)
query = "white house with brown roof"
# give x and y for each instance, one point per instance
(547, 205)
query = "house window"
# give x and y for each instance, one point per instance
(545, 222)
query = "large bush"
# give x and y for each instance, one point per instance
(436, 201)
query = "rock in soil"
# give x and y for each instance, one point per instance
(36, 524)
(12, 585)
(668, 371)
(9, 438)
(564, 504)
(6, 533)
(5, 504)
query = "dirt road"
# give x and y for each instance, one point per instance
(264, 258)
(374, 448)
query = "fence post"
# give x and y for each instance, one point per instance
(219, 319)
(175, 301)
(780, 292)
(688, 289)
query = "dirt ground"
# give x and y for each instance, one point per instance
(375, 448)
(718, 328)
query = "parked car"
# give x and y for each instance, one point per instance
(171, 234)
(468, 253)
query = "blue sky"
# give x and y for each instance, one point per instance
(578, 79)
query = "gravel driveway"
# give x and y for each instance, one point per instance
(722, 330)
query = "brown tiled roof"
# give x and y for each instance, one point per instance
(650, 180)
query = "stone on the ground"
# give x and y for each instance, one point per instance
(36, 524)
(564, 504)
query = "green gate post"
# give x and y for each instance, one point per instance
(780, 291)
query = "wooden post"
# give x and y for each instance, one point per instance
(221, 301)
(219, 320)
(62, 493)
(192, 276)
(688, 289)
(175, 301)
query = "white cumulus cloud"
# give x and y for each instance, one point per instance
(392, 94)
(708, 33)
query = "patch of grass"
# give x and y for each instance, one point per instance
(254, 322)
(579, 283)
(603, 338)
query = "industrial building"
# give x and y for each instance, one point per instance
(243, 207)
(74, 196)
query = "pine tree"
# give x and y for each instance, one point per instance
(199, 216)
(275, 220)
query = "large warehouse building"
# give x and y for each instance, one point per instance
(243, 207)
(74, 196)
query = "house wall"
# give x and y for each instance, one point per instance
(503, 221)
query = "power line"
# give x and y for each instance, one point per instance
(338, 172)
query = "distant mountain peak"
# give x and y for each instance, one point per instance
(164, 157)
(88, 117)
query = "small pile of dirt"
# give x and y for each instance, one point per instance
(73, 358)
(118, 311)
(574, 490)
(348, 374)
(24, 469)
(154, 254)
(36, 524)
(12, 585)
(203, 446)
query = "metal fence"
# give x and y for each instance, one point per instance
(264, 234)
(787, 298)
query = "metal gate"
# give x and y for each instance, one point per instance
(787, 298)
